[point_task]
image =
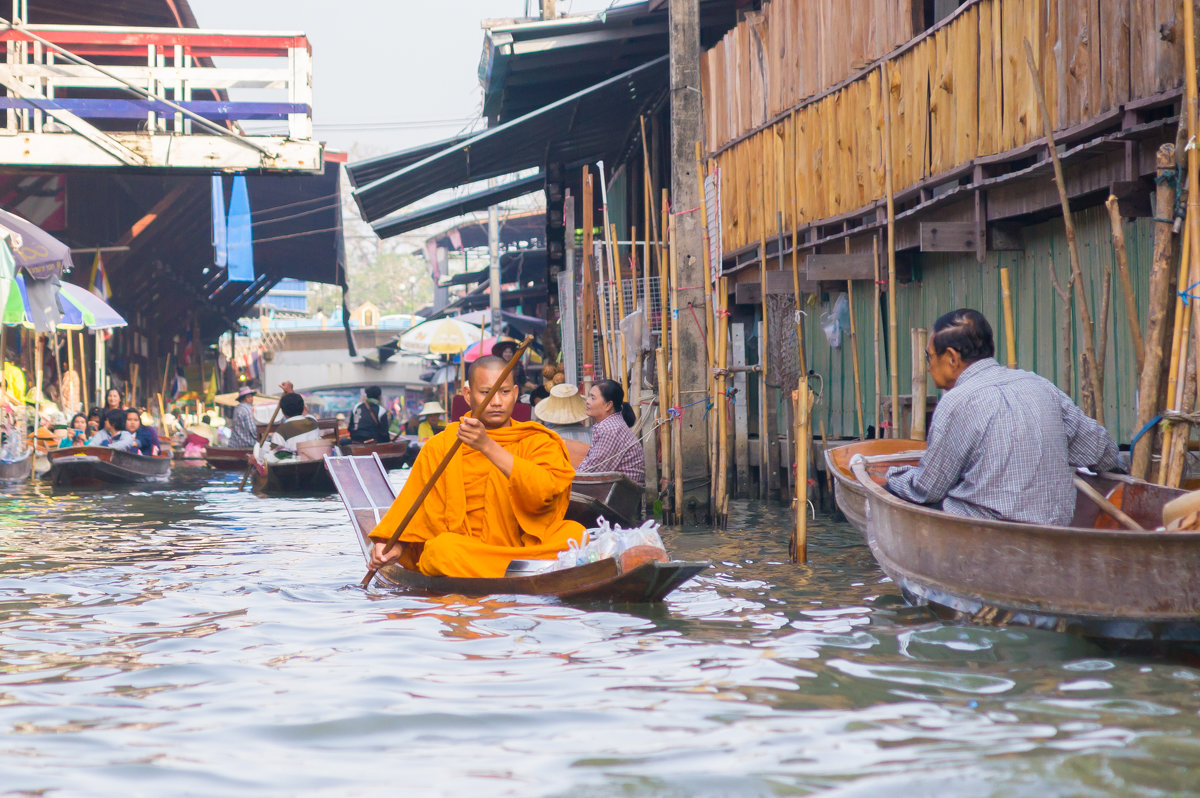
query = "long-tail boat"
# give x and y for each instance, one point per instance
(18, 470)
(80, 466)
(363, 486)
(1094, 577)
(226, 458)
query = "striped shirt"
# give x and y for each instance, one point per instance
(1004, 444)
(615, 448)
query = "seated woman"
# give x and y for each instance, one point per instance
(114, 434)
(614, 446)
(77, 433)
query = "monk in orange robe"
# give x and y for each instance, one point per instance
(503, 496)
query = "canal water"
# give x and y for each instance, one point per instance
(189, 639)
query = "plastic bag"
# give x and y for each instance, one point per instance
(609, 541)
(836, 319)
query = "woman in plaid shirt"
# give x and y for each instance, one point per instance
(614, 446)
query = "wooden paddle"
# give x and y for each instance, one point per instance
(1108, 507)
(261, 439)
(475, 411)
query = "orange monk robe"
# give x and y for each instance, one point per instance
(476, 520)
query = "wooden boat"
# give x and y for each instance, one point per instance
(291, 476)
(362, 483)
(393, 454)
(613, 495)
(850, 496)
(97, 465)
(1091, 578)
(225, 458)
(16, 470)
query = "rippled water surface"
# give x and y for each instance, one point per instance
(192, 640)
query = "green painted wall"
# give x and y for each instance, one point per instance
(949, 281)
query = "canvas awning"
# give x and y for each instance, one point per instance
(480, 200)
(593, 124)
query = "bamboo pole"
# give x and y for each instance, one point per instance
(1131, 314)
(877, 325)
(893, 322)
(620, 289)
(676, 393)
(611, 252)
(803, 400)
(920, 340)
(1192, 110)
(83, 385)
(1176, 458)
(589, 284)
(764, 453)
(664, 337)
(1177, 351)
(37, 399)
(1010, 327)
(1150, 377)
(858, 393)
(1085, 314)
(796, 259)
(722, 409)
(665, 451)
(710, 343)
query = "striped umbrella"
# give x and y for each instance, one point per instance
(80, 309)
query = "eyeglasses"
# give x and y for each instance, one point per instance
(928, 357)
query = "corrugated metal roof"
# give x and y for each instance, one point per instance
(363, 172)
(480, 200)
(596, 123)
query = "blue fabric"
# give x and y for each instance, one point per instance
(219, 223)
(147, 439)
(240, 239)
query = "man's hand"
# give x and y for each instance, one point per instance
(287, 387)
(377, 554)
(472, 432)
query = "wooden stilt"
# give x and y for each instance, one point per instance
(665, 452)
(802, 398)
(1178, 352)
(876, 321)
(710, 343)
(920, 339)
(588, 282)
(763, 443)
(1131, 314)
(1150, 376)
(676, 392)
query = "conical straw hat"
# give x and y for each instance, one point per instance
(432, 409)
(564, 405)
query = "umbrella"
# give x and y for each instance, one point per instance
(42, 312)
(79, 308)
(439, 337)
(40, 254)
(94, 312)
(479, 349)
(441, 376)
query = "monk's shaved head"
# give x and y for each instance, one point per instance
(490, 364)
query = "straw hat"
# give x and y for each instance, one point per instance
(502, 342)
(564, 405)
(432, 409)
(245, 390)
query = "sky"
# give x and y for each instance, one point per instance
(387, 74)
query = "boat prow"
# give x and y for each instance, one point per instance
(884, 453)
(366, 493)
(1090, 578)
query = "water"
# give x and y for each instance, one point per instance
(193, 640)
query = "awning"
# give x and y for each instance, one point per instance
(596, 123)
(363, 172)
(480, 200)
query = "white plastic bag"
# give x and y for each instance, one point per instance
(836, 319)
(609, 541)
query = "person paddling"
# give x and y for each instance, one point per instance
(503, 495)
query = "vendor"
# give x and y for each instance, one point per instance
(431, 420)
(614, 446)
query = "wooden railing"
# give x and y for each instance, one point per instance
(955, 93)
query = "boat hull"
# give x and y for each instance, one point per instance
(612, 495)
(226, 458)
(393, 454)
(293, 476)
(1096, 582)
(17, 470)
(367, 494)
(851, 497)
(84, 466)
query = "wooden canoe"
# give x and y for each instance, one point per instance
(291, 476)
(851, 497)
(1090, 578)
(393, 454)
(367, 495)
(225, 458)
(16, 470)
(81, 466)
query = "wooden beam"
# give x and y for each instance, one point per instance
(1133, 197)
(949, 237)
(840, 267)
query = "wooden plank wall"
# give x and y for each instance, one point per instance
(960, 93)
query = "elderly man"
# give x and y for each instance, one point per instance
(243, 433)
(1004, 443)
(503, 496)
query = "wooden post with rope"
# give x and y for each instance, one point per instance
(709, 348)
(446, 458)
(589, 283)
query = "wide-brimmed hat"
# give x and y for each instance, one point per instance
(564, 405)
(502, 342)
(432, 409)
(245, 391)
